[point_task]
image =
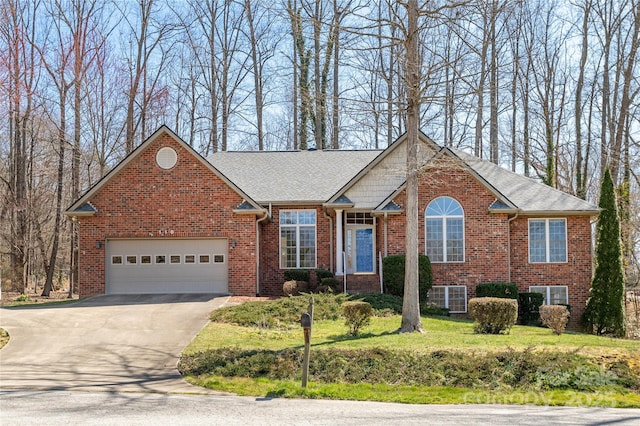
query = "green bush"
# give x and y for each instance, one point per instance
(529, 308)
(323, 273)
(357, 314)
(296, 275)
(497, 289)
(333, 283)
(393, 275)
(493, 315)
(527, 369)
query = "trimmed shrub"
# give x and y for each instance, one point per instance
(529, 308)
(294, 288)
(323, 273)
(290, 288)
(296, 275)
(393, 275)
(555, 317)
(497, 289)
(493, 315)
(357, 314)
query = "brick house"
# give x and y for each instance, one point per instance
(167, 220)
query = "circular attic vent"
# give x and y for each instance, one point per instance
(166, 158)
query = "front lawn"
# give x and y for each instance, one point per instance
(256, 349)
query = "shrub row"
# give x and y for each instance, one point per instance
(526, 369)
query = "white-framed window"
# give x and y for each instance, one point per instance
(297, 239)
(452, 297)
(547, 240)
(218, 258)
(145, 259)
(161, 259)
(131, 259)
(444, 230)
(204, 258)
(175, 259)
(553, 294)
(116, 260)
(189, 258)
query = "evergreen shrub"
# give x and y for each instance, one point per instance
(393, 275)
(493, 315)
(497, 289)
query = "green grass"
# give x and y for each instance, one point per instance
(261, 358)
(440, 333)
(414, 394)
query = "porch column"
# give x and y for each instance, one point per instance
(339, 240)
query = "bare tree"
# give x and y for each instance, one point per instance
(410, 306)
(146, 37)
(16, 28)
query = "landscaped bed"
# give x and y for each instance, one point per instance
(256, 349)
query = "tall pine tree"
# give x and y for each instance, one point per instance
(604, 313)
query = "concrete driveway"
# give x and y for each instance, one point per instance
(110, 343)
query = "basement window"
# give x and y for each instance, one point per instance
(452, 297)
(553, 294)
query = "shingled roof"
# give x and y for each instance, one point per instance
(526, 194)
(291, 177)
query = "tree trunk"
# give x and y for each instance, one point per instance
(493, 88)
(62, 132)
(581, 179)
(411, 306)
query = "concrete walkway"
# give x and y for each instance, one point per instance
(123, 343)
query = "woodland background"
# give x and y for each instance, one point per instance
(545, 88)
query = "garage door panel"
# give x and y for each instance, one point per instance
(166, 266)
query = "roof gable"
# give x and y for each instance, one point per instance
(78, 207)
(385, 174)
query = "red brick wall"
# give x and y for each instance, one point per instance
(486, 242)
(271, 275)
(575, 273)
(486, 239)
(187, 201)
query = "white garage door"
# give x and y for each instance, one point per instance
(145, 266)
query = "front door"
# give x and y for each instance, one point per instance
(359, 249)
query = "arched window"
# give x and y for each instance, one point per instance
(444, 229)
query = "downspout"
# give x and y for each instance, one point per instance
(266, 216)
(511, 219)
(330, 240)
(386, 242)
